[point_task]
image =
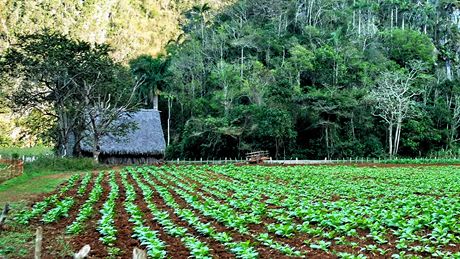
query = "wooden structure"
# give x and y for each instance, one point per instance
(4, 215)
(257, 156)
(12, 168)
(38, 243)
(143, 145)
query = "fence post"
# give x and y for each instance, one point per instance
(139, 253)
(4, 214)
(83, 253)
(38, 243)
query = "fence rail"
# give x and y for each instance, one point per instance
(268, 161)
(207, 162)
(25, 159)
(355, 160)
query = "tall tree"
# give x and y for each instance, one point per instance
(394, 102)
(50, 72)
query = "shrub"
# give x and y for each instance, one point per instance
(62, 164)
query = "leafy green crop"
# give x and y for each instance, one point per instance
(61, 210)
(413, 205)
(87, 209)
(24, 216)
(106, 224)
(341, 211)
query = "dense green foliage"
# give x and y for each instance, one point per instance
(310, 78)
(317, 79)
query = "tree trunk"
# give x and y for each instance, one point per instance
(452, 136)
(327, 141)
(354, 15)
(76, 148)
(397, 137)
(391, 25)
(396, 16)
(62, 141)
(276, 148)
(96, 148)
(242, 63)
(284, 57)
(202, 28)
(96, 139)
(169, 118)
(150, 97)
(402, 25)
(368, 21)
(335, 78)
(448, 70)
(390, 139)
(455, 122)
(359, 22)
(155, 102)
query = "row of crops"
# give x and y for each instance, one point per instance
(261, 212)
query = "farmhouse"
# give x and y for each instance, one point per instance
(143, 145)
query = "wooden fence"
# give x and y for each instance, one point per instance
(355, 160)
(25, 159)
(10, 168)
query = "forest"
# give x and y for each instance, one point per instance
(300, 78)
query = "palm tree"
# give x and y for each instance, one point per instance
(200, 12)
(151, 71)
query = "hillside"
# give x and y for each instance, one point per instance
(132, 28)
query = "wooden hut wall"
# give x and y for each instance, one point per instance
(130, 160)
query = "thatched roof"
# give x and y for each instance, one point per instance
(146, 139)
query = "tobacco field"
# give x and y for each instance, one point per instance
(255, 212)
